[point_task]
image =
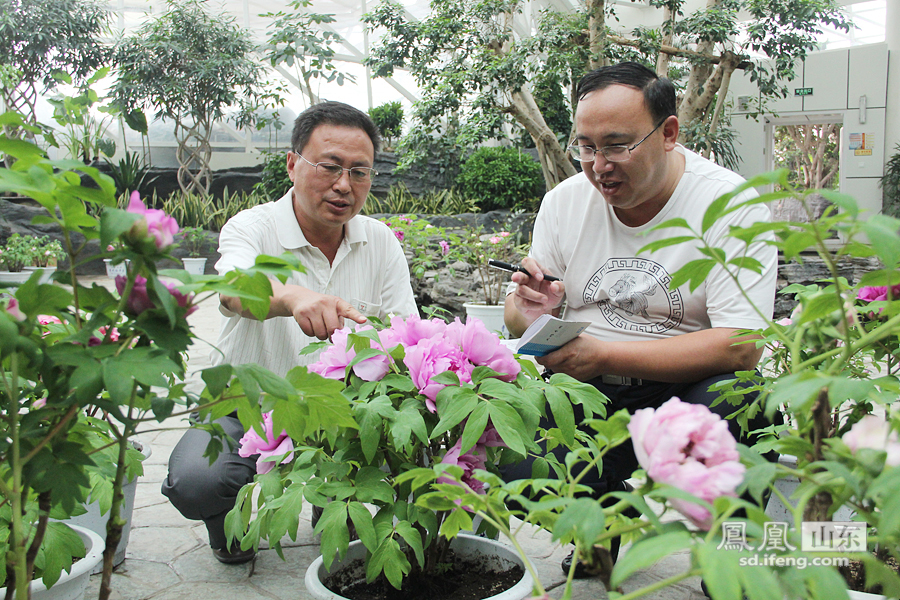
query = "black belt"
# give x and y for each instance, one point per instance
(617, 380)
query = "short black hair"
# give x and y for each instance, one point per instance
(332, 113)
(659, 92)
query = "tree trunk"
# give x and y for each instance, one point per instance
(193, 155)
(668, 29)
(728, 65)
(555, 165)
(597, 26)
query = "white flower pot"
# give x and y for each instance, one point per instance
(777, 511)
(113, 271)
(16, 278)
(494, 554)
(194, 266)
(96, 522)
(491, 316)
(71, 585)
(46, 273)
(865, 596)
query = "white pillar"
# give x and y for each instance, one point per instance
(892, 112)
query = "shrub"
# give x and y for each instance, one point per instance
(388, 118)
(399, 200)
(275, 181)
(890, 184)
(501, 178)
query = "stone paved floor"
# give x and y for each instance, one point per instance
(168, 557)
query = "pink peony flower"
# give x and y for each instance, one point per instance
(689, 447)
(139, 300)
(48, 319)
(14, 311)
(155, 222)
(469, 462)
(876, 433)
(399, 234)
(878, 293)
(412, 329)
(503, 234)
(430, 357)
(445, 247)
(39, 403)
(334, 360)
(252, 444)
(110, 248)
(495, 240)
(483, 348)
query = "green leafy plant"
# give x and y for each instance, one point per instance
(194, 238)
(129, 174)
(399, 200)
(68, 351)
(477, 247)
(232, 204)
(47, 252)
(425, 245)
(388, 117)
(404, 416)
(501, 178)
(192, 210)
(18, 252)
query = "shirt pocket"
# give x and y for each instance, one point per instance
(370, 308)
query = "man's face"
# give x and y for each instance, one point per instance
(323, 202)
(617, 115)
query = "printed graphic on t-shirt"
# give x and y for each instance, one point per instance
(633, 294)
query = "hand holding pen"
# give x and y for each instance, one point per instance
(497, 264)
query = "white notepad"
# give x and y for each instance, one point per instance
(547, 334)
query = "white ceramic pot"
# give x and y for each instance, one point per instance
(491, 316)
(71, 585)
(194, 266)
(777, 511)
(14, 277)
(46, 273)
(494, 555)
(865, 596)
(96, 522)
(113, 271)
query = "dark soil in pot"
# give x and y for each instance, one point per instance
(855, 575)
(461, 580)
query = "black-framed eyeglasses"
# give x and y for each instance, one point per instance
(334, 172)
(615, 153)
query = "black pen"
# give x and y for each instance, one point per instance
(497, 264)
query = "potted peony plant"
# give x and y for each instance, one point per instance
(15, 255)
(66, 351)
(46, 253)
(194, 239)
(421, 393)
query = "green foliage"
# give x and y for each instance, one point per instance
(17, 253)
(193, 238)
(399, 200)
(389, 119)
(130, 173)
(501, 178)
(720, 146)
(298, 40)
(275, 181)
(42, 37)
(890, 184)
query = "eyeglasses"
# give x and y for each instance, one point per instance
(616, 153)
(334, 172)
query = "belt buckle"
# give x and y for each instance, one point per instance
(619, 380)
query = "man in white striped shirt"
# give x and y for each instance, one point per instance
(354, 267)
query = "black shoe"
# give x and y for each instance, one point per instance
(238, 557)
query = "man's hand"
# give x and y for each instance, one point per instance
(534, 297)
(318, 315)
(580, 358)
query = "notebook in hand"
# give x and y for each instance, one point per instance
(547, 334)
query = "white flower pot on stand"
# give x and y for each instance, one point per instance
(194, 266)
(16, 278)
(491, 316)
(113, 271)
(492, 554)
(71, 585)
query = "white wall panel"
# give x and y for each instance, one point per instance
(826, 73)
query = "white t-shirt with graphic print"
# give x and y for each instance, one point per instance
(625, 296)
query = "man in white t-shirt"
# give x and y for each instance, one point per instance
(646, 343)
(354, 267)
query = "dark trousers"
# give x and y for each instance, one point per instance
(620, 462)
(203, 491)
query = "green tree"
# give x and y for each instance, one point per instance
(477, 76)
(41, 37)
(191, 66)
(297, 40)
(501, 178)
(389, 119)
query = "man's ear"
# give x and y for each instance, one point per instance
(670, 132)
(291, 163)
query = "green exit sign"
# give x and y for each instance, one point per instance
(803, 91)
